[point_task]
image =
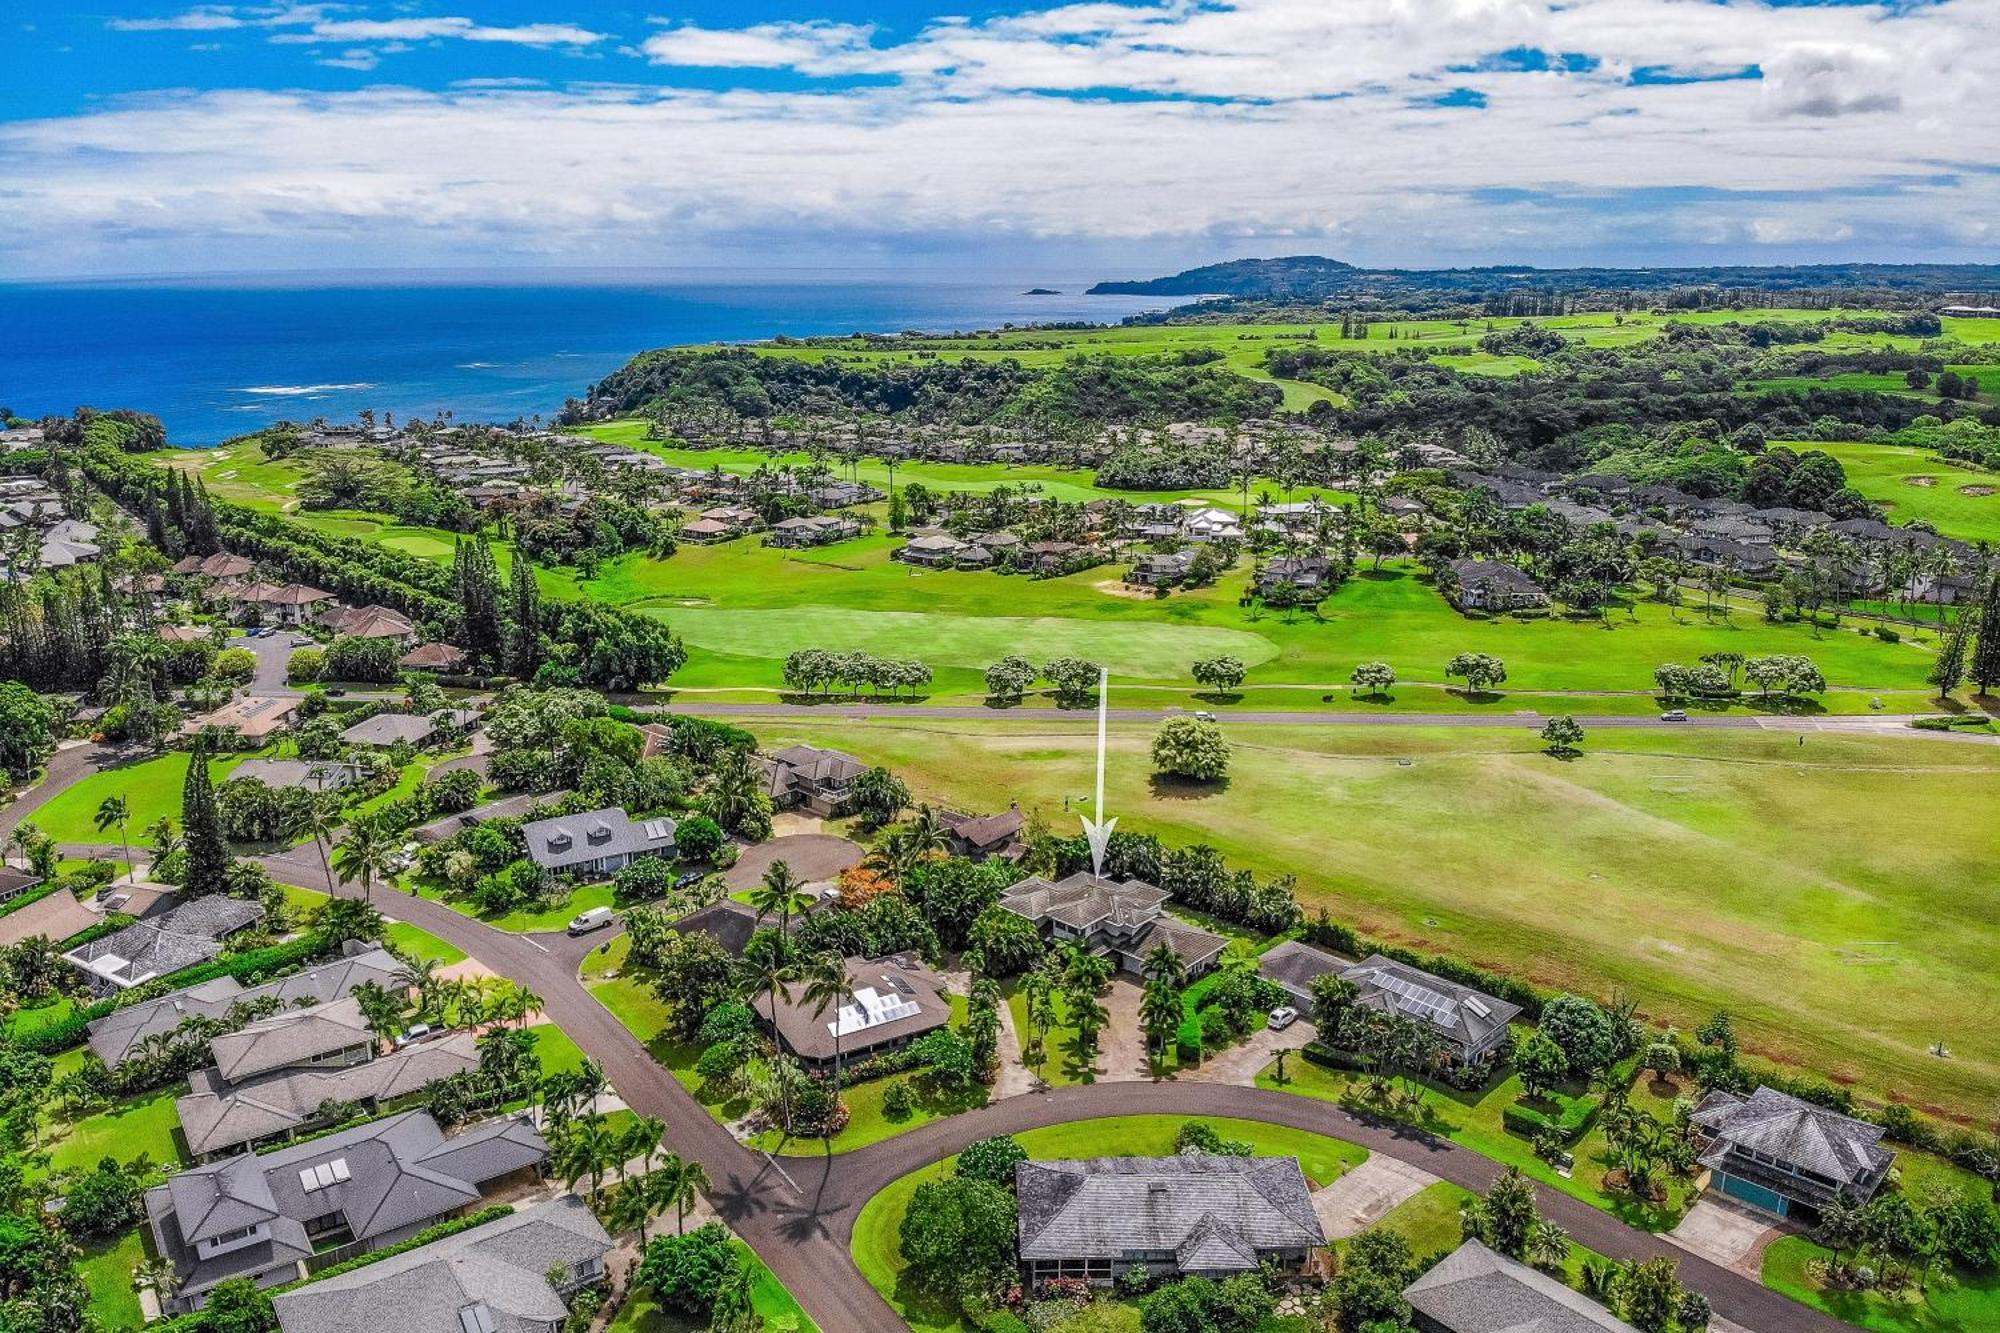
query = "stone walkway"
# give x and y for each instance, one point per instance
(1362, 1197)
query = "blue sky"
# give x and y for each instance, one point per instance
(1130, 136)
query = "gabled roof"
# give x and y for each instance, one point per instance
(594, 835)
(189, 934)
(290, 1038)
(55, 917)
(1220, 1211)
(502, 1266)
(1474, 1290)
(1295, 965)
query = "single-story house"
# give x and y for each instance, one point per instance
(511, 807)
(432, 657)
(370, 622)
(219, 1117)
(703, 531)
(221, 565)
(896, 1000)
(1493, 585)
(727, 922)
(409, 728)
(511, 1275)
(981, 836)
(1293, 967)
(55, 917)
(313, 774)
(1195, 1215)
(14, 883)
(1778, 1154)
(596, 842)
(1125, 919)
(262, 1216)
(1472, 1023)
(819, 780)
(114, 1037)
(254, 717)
(164, 944)
(1475, 1290)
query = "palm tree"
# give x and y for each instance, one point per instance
(733, 789)
(319, 819)
(1040, 987)
(774, 973)
(364, 854)
(114, 812)
(419, 975)
(160, 1275)
(382, 1011)
(780, 892)
(1160, 1013)
(827, 986)
(586, 1148)
(641, 1142)
(1548, 1245)
(680, 1183)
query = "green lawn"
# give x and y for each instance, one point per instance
(1474, 1120)
(1673, 865)
(151, 788)
(530, 920)
(1915, 483)
(558, 1053)
(768, 1297)
(876, 1229)
(405, 938)
(1966, 1306)
(144, 1126)
(107, 1267)
(1428, 1220)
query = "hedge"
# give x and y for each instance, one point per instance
(1576, 1119)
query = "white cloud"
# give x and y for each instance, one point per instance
(1258, 125)
(358, 58)
(426, 29)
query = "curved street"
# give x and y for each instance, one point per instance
(798, 1212)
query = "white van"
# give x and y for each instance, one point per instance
(595, 919)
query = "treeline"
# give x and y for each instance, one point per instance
(1086, 390)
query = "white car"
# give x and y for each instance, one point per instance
(1203, 715)
(1281, 1018)
(1674, 715)
(595, 919)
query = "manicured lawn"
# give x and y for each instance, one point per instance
(106, 1268)
(768, 1297)
(540, 919)
(144, 1126)
(867, 1120)
(151, 788)
(1474, 1119)
(875, 1245)
(1916, 483)
(1971, 1305)
(1675, 865)
(1058, 1066)
(24, 1021)
(1428, 1219)
(419, 943)
(554, 1048)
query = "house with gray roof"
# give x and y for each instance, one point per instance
(1125, 919)
(806, 776)
(596, 842)
(1778, 1153)
(935, 549)
(411, 728)
(982, 836)
(510, 807)
(164, 944)
(1492, 585)
(1293, 966)
(895, 1000)
(311, 774)
(1192, 1215)
(114, 1037)
(1472, 1023)
(492, 1278)
(267, 1217)
(1475, 1290)
(322, 1083)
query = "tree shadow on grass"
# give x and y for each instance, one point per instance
(1219, 697)
(1171, 787)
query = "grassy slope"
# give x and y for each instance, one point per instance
(1695, 870)
(877, 1228)
(151, 788)
(1884, 473)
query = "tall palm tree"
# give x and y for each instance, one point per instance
(114, 812)
(641, 1142)
(319, 819)
(781, 893)
(419, 975)
(828, 986)
(364, 854)
(680, 1182)
(774, 973)
(587, 1148)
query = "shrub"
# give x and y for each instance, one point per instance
(898, 1102)
(698, 838)
(992, 1160)
(1187, 1041)
(685, 1272)
(1575, 1119)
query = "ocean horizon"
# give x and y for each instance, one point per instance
(222, 355)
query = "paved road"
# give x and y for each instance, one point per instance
(66, 768)
(800, 1218)
(1888, 724)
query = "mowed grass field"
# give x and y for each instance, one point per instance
(1837, 895)
(1958, 500)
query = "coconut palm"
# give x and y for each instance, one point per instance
(1548, 1245)
(828, 986)
(679, 1183)
(587, 1147)
(775, 973)
(780, 893)
(115, 812)
(364, 854)
(319, 819)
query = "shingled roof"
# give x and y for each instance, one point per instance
(1844, 1153)
(189, 934)
(501, 1267)
(1474, 1290)
(1217, 1214)
(1462, 1016)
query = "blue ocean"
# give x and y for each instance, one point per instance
(219, 357)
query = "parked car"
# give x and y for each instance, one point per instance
(595, 919)
(413, 1034)
(1281, 1018)
(1674, 715)
(1203, 715)
(688, 879)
